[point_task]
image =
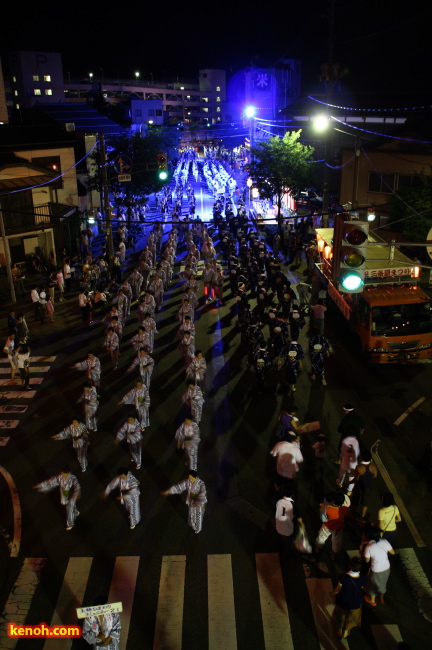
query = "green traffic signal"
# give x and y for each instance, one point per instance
(163, 175)
(351, 281)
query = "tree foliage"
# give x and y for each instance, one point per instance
(402, 217)
(279, 165)
(142, 151)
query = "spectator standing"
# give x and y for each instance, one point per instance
(319, 311)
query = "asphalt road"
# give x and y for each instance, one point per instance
(228, 587)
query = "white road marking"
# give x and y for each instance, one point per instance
(33, 381)
(392, 488)
(17, 394)
(4, 441)
(14, 408)
(5, 371)
(221, 610)
(386, 637)
(32, 360)
(70, 597)
(9, 424)
(122, 590)
(169, 615)
(15, 547)
(323, 609)
(274, 609)
(409, 410)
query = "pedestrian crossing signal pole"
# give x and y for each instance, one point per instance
(106, 204)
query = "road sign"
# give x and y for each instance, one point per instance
(124, 178)
(97, 610)
(123, 164)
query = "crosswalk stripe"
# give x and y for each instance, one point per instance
(9, 424)
(70, 597)
(17, 394)
(169, 614)
(20, 598)
(386, 636)
(122, 590)
(4, 441)
(32, 360)
(222, 623)
(5, 371)
(322, 610)
(33, 381)
(14, 408)
(274, 609)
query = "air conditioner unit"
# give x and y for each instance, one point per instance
(70, 126)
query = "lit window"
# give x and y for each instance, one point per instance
(48, 91)
(218, 109)
(14, 79)
(17, 107)
(35, 77)
(205, 99)
(37, 91)
(205, 109)
(16, 93)
(218, 89)
(47, 77)
(218, 99)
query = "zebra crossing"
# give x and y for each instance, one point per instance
(14, 403)
(269, 605)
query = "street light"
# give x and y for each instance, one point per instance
(137, 74)
(250, 114)
(90, 75)
(321, 124)
(249, 183)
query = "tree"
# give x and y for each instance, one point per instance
(143, 152)
(402, 216)
(280, 165)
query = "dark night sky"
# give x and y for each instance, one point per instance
(384, 50)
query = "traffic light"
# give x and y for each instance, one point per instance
(162, 162)
(353, 254)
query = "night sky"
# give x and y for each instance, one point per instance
(384, 50)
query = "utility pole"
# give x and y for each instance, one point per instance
(329, 88)
(7, 258)
(356, 173)
(106, 205)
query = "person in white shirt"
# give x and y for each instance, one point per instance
(67, 274)
(34, 295)
(23, 363)
(376, 552)
(286, 512)
(9, 350)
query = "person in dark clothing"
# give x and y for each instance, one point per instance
(12, 324)
(351, 424)
(349, 598)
